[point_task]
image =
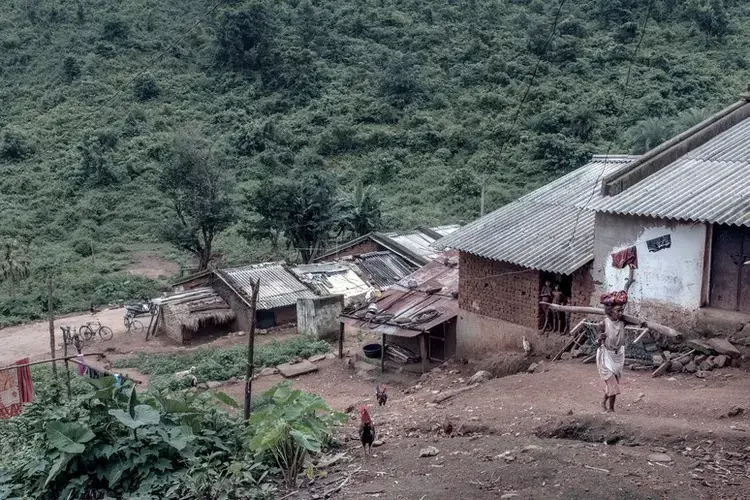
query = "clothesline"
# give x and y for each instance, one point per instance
(10, 367)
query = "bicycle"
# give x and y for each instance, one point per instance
(92, 328)
(132, 324)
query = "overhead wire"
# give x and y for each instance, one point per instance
(617, 122)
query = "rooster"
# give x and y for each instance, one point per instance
(526, 346)
(380, 394)
(366, 430)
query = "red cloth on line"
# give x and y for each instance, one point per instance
(627, 257)
(16, 389)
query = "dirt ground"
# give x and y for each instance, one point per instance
(528, 435)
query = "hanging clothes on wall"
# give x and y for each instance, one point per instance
(16, 388)
(659, 243)
(627, 257)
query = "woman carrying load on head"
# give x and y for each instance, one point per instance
(610, 355)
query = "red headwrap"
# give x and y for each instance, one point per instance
(614, 298)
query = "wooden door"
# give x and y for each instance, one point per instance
(730, 277)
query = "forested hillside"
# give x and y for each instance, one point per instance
(414, 99)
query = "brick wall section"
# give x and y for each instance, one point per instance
(581, 291)
(364, 247)
(512, 297)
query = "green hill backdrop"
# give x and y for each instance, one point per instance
(413, 98)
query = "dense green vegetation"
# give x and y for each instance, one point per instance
(413, 99)
(220, 364)
(110, 442)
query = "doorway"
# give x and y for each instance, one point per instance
(730, 269)
(547, 319)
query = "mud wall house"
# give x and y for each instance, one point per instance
(506, 256)
(419, 312)
(197, 312)
(277, 297)
(684, 207)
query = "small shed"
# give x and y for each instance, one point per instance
(200, 311)
(419, 312)
(278, 294)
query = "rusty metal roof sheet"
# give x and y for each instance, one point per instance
(332, 279)
(383, 269)
(709, 184)
(435, 287)
(279, 287)
(550, 229)
(420, 242)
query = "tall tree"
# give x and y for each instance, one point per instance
(360, 211)
(198, 190)
(15, 262)
(304, 210)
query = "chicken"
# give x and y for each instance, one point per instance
(190, 374)
(526, 346)
(366, 430)
(447, 427)
(380, 394)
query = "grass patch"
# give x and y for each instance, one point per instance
(223, 364)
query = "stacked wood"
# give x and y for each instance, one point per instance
(400, 354)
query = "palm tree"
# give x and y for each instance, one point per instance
(360, 211)
(15, 263)
(648, 134)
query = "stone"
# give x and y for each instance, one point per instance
(675, 366)
(705, 366)
(480, 377)
(700, 374)
(315, 359)
(667, 355)
(691, 367)
(532, 367)
(378, 442)
(700, 359)
(509, 495)
(657, 359)
(213, 384)
(267, 371)
(240, 334)
(711, 360)
(659, 457)
(720, 361)
(700, 346)
(430, 451)
(723, 346)
(566, 356)
(292, 370)
(330, 355)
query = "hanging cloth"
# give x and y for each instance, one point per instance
(16, 388)
(627, 257)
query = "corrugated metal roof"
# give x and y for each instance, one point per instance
(440, 274)
(279, 287)
(537, 230)
(420, 243)
(332, 279)
(383, 269)
(709, 184)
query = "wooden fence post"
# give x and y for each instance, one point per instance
(251, 351)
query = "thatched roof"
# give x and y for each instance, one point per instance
(195, 308)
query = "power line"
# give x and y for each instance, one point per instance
(617, 122)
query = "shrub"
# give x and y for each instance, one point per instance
(145, 88)
(15, 144)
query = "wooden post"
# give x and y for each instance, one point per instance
(251, 351)
(382, 353)
(423, 352)
(67, 367)
(51, 316)
(341, 340)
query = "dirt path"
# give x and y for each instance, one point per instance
(504, 455)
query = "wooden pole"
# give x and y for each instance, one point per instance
(51, 316)
(251, 351)
(100, 354)
(423, 352)
(382, 353)
(341, 340)
(659, 328)
(67, 366)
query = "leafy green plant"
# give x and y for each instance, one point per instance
(112, 441)
(221, 364)
(295, 425)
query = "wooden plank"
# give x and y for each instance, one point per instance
(662, 368)
(590, 359)
(659, 328)
(290, 370)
